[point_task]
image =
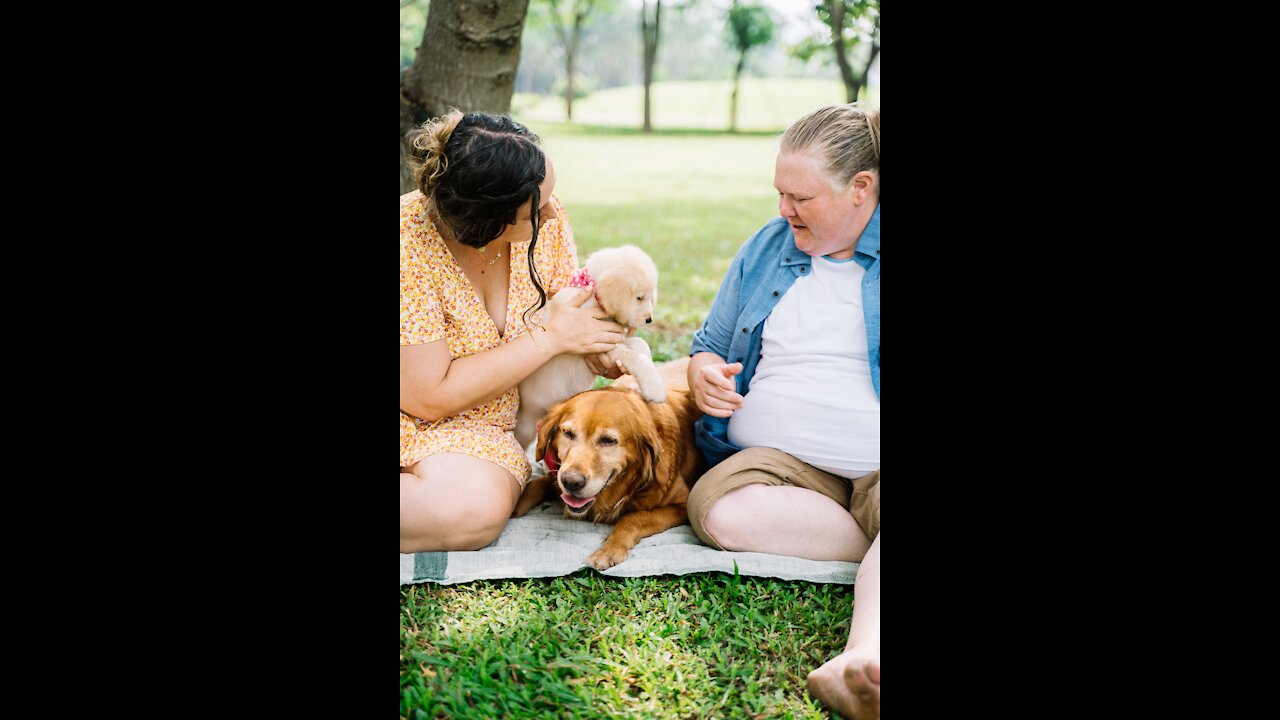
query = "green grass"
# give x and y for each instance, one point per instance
(586, 646)
(763, 104)
(689, 200)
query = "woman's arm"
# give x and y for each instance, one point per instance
(434, 386)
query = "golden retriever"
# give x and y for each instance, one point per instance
(626, 287)
(618, 459)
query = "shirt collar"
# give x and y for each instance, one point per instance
(869, 243)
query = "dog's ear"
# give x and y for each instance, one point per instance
(649, 446)
(548, 428)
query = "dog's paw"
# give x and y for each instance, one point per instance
(523, 507)
(533, 494)
(606, 557)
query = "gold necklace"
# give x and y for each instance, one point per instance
(495, 259)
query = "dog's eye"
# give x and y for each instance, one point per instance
(569, 434)
(607, 441)
(640, 298)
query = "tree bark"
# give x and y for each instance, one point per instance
(468, 58)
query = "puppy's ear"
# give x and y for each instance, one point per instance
(548, 428)
(612, 290)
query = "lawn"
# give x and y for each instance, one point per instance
(587, 646)
(689, 200)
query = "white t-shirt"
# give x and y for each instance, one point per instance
(811, 396)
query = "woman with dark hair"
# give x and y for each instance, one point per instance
(468, 332)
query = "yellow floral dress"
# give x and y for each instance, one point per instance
(438, 302)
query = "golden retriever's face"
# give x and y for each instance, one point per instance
(604, 443)
(626, 283)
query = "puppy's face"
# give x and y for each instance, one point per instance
(626, 283)
(604, 448)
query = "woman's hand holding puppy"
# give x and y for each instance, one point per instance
(575, 329)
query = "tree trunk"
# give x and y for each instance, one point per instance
(406, 124)
(467, 60)
(650, 35)
(568, 79)
(733, 98)
(866, 71)
(837, 43)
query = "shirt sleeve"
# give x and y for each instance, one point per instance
(421, 318)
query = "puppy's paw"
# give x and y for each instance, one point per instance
(606, 557)
(658, 395)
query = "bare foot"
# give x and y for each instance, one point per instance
(849, 684)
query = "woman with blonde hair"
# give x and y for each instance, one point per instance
(787, 369)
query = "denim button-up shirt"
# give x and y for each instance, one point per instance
(765, 267)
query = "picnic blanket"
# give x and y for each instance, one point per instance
(545, 544)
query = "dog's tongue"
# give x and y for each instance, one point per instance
(576, 502)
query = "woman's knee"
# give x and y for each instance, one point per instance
(461, 523)
(458, 519)
(477, 519)
(729, 518)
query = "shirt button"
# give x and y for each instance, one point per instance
(788, 260)
(775, 293)
(803, 268)
(744, 330)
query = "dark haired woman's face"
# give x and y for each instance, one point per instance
(522, 229)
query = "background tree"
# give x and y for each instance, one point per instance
(853, 25)
(569, 35)
(650, 34)
(467, 60)
(749, 26)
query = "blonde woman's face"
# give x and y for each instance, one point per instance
(822, 215)
(522, 229)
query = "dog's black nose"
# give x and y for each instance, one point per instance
(648, 320)
(572, 481)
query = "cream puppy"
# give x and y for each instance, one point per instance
(626, 287)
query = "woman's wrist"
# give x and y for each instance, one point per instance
(544, 340)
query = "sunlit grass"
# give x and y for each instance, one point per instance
(586, 646)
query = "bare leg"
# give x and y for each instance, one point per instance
(850, 682)
(452, 501)
(765, 518)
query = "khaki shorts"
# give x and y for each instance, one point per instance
(766, 466)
